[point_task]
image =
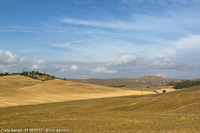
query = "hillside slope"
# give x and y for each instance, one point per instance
(19, 90)
(173, 112)
(186, 100)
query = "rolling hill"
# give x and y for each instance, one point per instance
(19, 90)
(130, 82)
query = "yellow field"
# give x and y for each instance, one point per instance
(176, 112)
(20, 90)
(87, 110)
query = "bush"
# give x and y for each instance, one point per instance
(52, 77)
(34, 77)
(164, 91)
(4, 74)
(117, 85)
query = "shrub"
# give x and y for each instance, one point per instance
(34, 77)
(164, 91)
(52, 77)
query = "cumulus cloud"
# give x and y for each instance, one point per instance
(189, 42)
(62, 70)
(38, 64)
(104, 70)
(186, 48)
(35, 67)
(7, 57)
(41, 61)
(74, 68)
(10, 62)
(162, 62)
(128, 66)
(125, 59)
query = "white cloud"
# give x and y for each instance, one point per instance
(8, 57)
(62, 70)
(35, 67)
(4, 68)
(36, 63)
(74, 68)
(41, 61)
(109, 24)
(104, 70)
(67, 45)
(189, 42)
(23, 59)
(125, 59)
(11, 62)
(186, 48)
(163, 62)
(164, 66)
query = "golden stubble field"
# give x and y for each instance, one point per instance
(20, 90)
(172, 112)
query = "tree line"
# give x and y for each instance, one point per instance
(186, 84)
(32, 74)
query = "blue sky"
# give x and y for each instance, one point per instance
(101, 38)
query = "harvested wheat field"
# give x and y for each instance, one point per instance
(172, 112)
(19, 90)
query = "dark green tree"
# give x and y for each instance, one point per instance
(164, 91)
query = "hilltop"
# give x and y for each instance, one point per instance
(31, 74)
(131, 82)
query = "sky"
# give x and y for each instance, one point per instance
(101, 38)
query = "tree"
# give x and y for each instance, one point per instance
(164, 91)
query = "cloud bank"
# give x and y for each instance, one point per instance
(127, 66)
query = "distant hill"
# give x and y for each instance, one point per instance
(125, 83)
(131, 82)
